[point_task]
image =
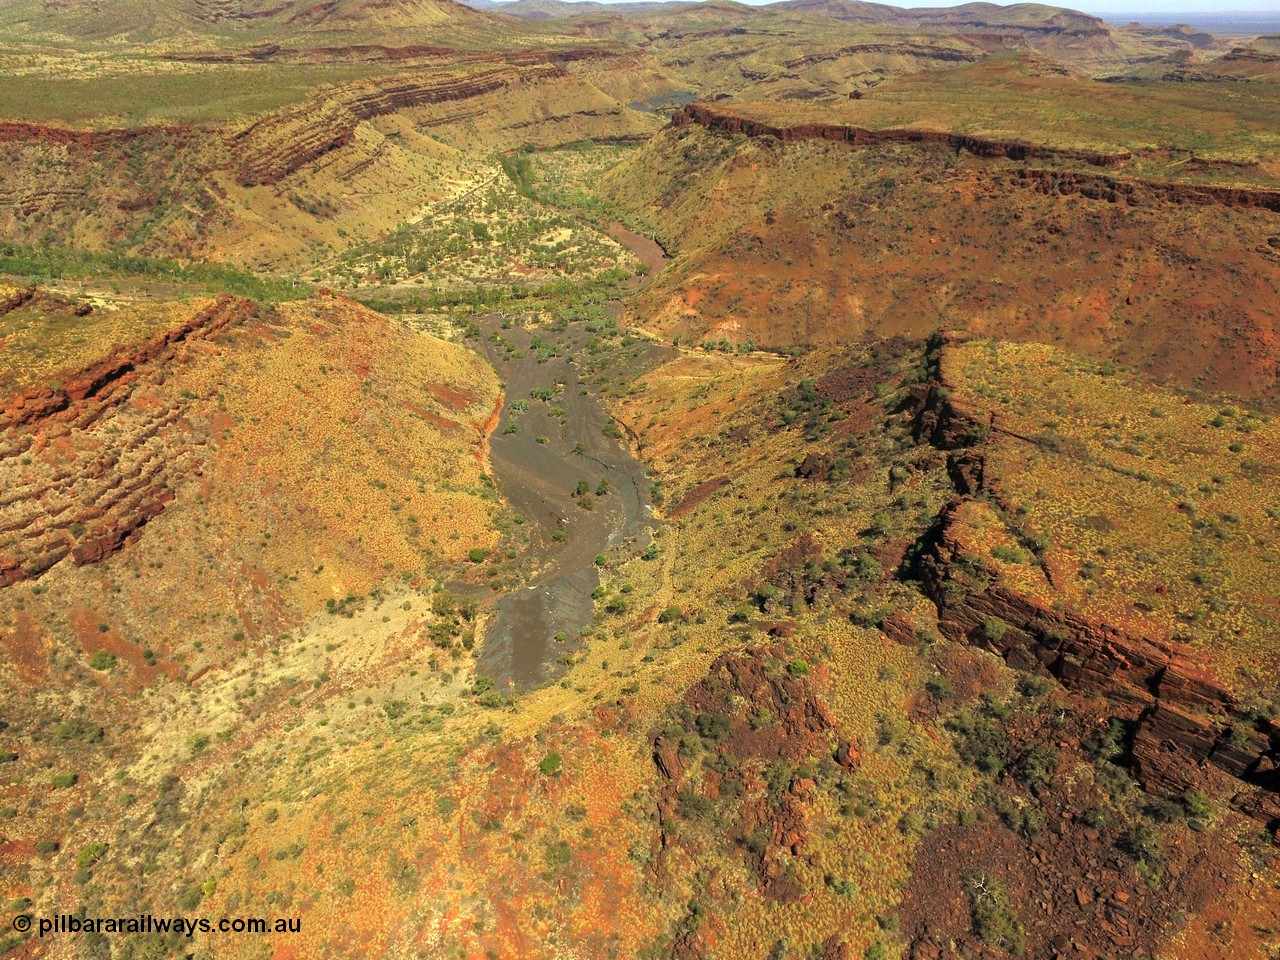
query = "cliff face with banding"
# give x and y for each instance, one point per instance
(1092, 186)
(195, 192)
(720, 122)
(1141, 192)
(1182, 719)
(86, 464)
(14, 132)
(101, 381)
(280, 144)
(1183, 722)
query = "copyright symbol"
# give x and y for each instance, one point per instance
(22, 923)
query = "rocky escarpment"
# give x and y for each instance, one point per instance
(1099, 186)
(381, 53)
(280, 144)
(1182, 718)
(1141, 192)
(915, 50)
(1184, 724)
(101, 381)
(12, 298)
(85, 465)
(720, 122)
(11, 132)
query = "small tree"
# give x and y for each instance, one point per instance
(994, 629)
(90, 855)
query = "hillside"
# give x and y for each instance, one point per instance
(170, 534)
(294, 22)
(731, 744)
(973, 220)
(298, 184)
(697, 481)
(802, 50)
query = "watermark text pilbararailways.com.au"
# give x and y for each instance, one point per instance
(66, 924)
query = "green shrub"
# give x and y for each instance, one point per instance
(1033, 685)
(994, 921)
(1197, 805)
(940, 688)
(103, 660)
(551, 764)
(713, 726)
(982, 740)
(1142, 842)
(994, 629)
(798, 668)
(477, 554)
(1037, 765)
(90, 855)
(1009, 554)
(1106, 744)
(670, 615)
(61, 781)
(694, 806)
(46, 846)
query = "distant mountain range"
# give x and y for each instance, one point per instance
(372, 20)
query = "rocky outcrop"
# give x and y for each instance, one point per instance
(280, 144)
(916, 51)
(721, 122)
(15, 298)
(11, 132)
(1182, 719)
(814, 467)
(381, 53)
(96, 380)
(82, 469)
(1142, 192)
(750, 713)
(277, 145)
(1134, 192)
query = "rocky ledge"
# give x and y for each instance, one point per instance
(720, 122)
(1134, 192)
(83, 469)
(1183, 724)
